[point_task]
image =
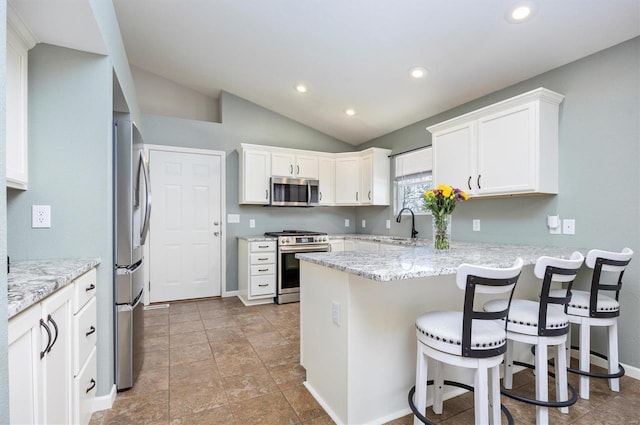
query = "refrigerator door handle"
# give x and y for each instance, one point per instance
(129, 270)
(147, 187)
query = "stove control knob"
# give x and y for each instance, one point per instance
(285, 240)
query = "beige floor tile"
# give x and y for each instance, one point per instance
(188, 338)
(288, 374)
(325, 420)
(270, 409)
(266, 340)
(248, 385)
(222, 334)
(149, 409)
(184, 317)
(190, 353)
(216, 416)
(182, 308)
(279, 355)
(231, 346)
(257, 328)
(155, 331)
(154, 359)
(203, 371)
(238, 363)
(302, 402)
(183, 327)
(220, 322)
(149, 381)
(191, 399)
(156, 320)
(155, 343)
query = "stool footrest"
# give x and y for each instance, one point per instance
(572, 400)
(426, 420)
(618, 374)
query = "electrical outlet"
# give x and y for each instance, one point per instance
(346, 222)
(364, 223)
(252, 224)
(41, 216)
(387, 224)
(335, 313)
(233, 218)
(569, 226)
(476, 225)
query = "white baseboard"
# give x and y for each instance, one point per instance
(105, 402)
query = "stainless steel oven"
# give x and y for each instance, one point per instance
(291, 242)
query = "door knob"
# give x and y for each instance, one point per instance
(216, 233)
(215, 223)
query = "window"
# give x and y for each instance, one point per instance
(412, 179)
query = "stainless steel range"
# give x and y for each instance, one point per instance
(291, 242)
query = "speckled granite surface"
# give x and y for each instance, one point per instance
(257, 238)
(423, 261)
(32, 281)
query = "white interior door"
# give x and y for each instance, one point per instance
(186, 226)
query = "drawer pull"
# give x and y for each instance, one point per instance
(263, 259)
(46, 328)
(263, 246)
(92, 330)
(262, 285)
(263, 270)
(90, 288)
(92, 386)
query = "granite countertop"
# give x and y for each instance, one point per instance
(423, 261)
(257, 238)
(33, 280)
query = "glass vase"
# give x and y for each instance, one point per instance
(441, 231)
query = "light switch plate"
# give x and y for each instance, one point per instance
(346, 222)
(364, 223)
(335, 313)
(252, 224)
(476, 225)
(387, 224)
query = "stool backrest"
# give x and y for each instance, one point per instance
(486, 280)
(606, 261)
(551, 270)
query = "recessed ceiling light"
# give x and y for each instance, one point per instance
(350, 111)
(418, 72)
(521, 12)
(301, 88)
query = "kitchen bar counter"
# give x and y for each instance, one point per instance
(418, 260)
(357, 320)
(31, 281)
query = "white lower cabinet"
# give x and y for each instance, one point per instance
(42, 355)
(337, 245)
(257, 271)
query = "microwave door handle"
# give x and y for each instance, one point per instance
(308, 192)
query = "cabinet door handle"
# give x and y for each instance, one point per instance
(92, 386)
(46, 328)
(55, 326)
(369, 195)
(266, 194)
(92, 330)
(479, 175)
(263, 285)
(90, 288)
(290, 168)
(297, 169)
(321, 196)
(356, 196)
(469, 182)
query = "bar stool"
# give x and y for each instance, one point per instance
(542, 324)
(469, 339)
(594, 308)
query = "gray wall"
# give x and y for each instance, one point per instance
(246, 122)
(599, 174)
(4, 312)
(70, 169)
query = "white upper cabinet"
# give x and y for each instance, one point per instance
(327, 179)
(509, 148)
(352, 178)
(254, 172)
(288, 163)
(18, 45)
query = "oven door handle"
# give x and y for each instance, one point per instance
(308, 248)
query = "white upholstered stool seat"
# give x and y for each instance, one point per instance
(469, 339)
(599, 307)
(543, 324)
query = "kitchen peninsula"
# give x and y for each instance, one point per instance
(357, 315)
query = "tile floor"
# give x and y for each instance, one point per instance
(219, 362)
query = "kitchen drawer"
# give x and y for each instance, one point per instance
(263, 269)
(263, 258)
(85, 288)
(263, 285)
(263, 246)
(84, 324)
(84, 391)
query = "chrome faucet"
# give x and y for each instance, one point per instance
(414, 232)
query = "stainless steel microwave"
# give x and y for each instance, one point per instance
(289, 192)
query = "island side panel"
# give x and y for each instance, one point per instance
(323, 344)
(382, 341)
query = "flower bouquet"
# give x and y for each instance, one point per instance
(441, 201)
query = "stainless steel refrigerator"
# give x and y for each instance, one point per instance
(132, 209)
